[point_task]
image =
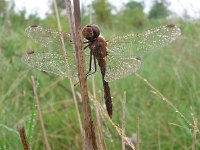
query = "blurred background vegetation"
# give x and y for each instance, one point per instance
(173, 70)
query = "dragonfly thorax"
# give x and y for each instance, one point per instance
(98, 47)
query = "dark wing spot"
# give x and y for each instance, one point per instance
(34, 26)
(138, 58)
(30, 52)
(170, 26)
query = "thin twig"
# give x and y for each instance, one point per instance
(123, 119)
(138, 134)
(116, 127)
(49, 87)
(101, 141)
(54, 83)
(65, 54)
(102, 144)
(47, 146)
(195, 133)
(176, 125)
(90, 138)
(23, 137)
(157, 93)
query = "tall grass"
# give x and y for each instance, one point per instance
(172, 70)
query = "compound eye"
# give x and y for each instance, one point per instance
(91, 32)
(96, 31)
(87, 32)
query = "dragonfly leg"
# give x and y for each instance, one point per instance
(107, 53)
(95, 65)
(95, 68)
(86, 46)
(90, 65)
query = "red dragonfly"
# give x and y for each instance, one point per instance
(117, 57)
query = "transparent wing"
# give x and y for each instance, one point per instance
(137, 44)
(55, 63)
(52, 63)
(53, 60)
(125, 52)
(48, 38)
(118, 67)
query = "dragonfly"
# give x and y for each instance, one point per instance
(117, 57)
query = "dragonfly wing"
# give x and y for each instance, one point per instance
(48, 38)
(51, 63)
(52, 60)
(56, 63)
(118, 67)
(137, 44)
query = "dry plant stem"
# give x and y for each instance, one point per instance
(48, 88)
(14, 85)
(65, 55)
(157, 93)
(23, 137)
(56, 82)
(195, 133)
(176, 125)
(138, 134)
(90, 141)
(105, 115)
(90, 138)
(47, 146)
(123, 119)
(101, 140)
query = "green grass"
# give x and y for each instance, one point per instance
(172, 70)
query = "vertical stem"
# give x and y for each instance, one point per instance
(47, 146)
(101, 140)
(65, 55)
(23, 137)
(195, 133)
(138, 134)
(90, 138)
(123, 120)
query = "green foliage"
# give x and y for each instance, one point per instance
(159, 10)
(102, 11)
(131, 16)
(61, 4)
(173, 70)
(3, 9)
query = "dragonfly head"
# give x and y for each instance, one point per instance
(91, 32)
